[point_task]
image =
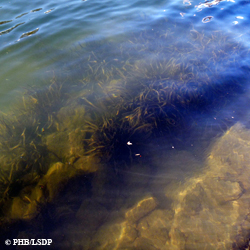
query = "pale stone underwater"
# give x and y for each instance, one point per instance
(209, 211)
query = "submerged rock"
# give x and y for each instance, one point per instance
(211, 210)
(122, 233)
(155, 229)
(26, 205)
(87, 164)
(66, 145)
(32, 198)
(141, 209)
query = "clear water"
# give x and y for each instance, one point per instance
(99, 52)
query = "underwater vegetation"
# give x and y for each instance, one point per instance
(158, 94)
(24, 155)
(106, 109)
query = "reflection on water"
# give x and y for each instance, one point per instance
(133, 145)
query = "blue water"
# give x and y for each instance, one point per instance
(32, 35)
(97, 49)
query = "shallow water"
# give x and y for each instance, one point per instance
(112, 106)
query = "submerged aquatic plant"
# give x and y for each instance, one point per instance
(107, 140)
(161, 86)
(24, 155)
(43, 104)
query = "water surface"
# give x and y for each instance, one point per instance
(112, 112)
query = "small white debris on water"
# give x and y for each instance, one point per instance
(48, 11)
(240, 17)
(235, 22)
(129, 143)
(172, 146)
